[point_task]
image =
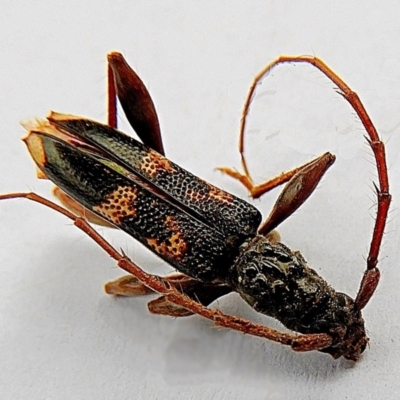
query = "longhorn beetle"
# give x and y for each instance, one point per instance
(214, 239)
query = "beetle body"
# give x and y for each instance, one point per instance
(213, 238)
(204, 232)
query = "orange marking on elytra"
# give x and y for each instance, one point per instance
(118, 205)
(213, 194)
(220, 195)
(175, 246)
(153, 163)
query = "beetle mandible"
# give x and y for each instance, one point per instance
(215, 240)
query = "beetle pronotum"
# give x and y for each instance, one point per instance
(213, 239)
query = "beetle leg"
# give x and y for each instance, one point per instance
(112, 112)
(298, 342)
(204, 293)
(257, 190)
(301, 182)
(297, 191)
(127, 286)
(163, 306)
(124, 83)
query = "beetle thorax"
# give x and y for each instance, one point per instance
(277, 281)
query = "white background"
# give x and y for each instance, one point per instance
(61, 337)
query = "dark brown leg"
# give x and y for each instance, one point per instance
(297, 191)
(298, 342)
(124, 83)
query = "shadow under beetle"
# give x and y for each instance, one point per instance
(215, 240)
